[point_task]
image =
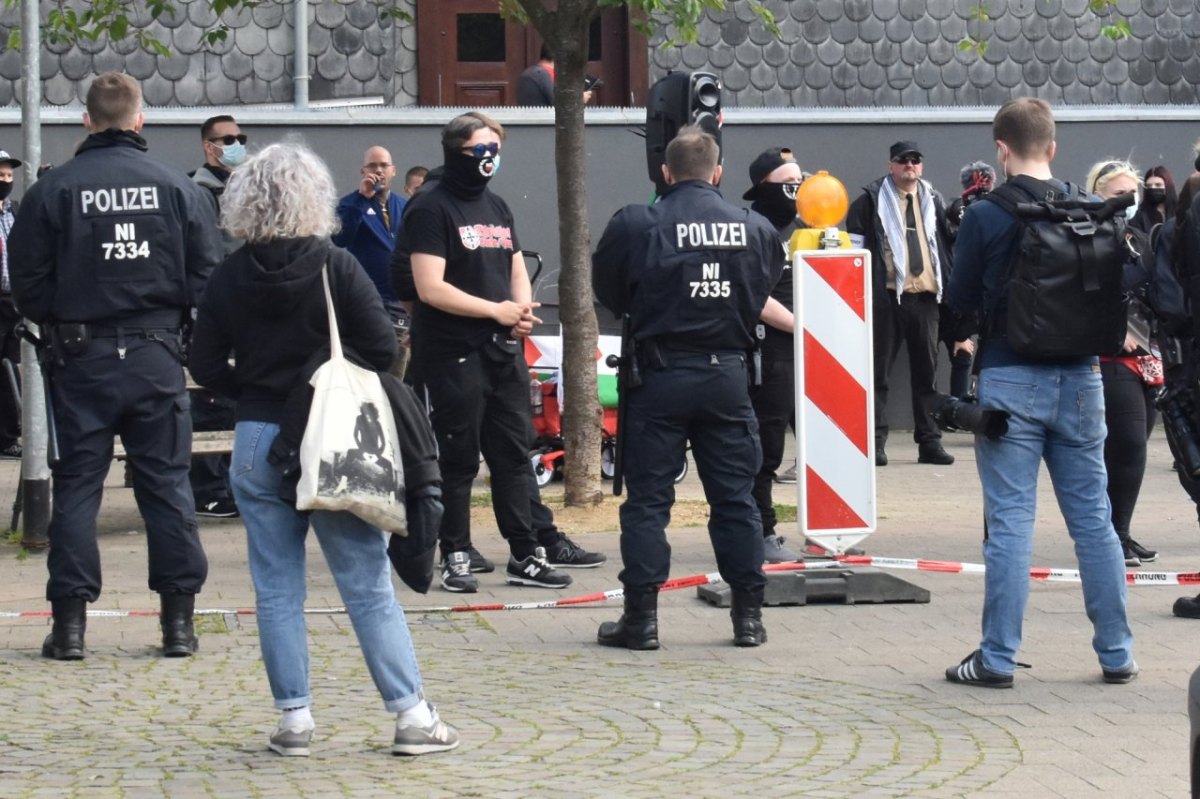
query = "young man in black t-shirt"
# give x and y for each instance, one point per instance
(474, 306)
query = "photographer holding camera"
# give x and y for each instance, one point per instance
(1056, 407)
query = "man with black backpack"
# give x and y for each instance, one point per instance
(1039, 260)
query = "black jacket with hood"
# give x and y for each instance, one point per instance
(265, 307)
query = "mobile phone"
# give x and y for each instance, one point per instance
(591, 82)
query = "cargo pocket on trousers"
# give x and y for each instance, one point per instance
(182, 413)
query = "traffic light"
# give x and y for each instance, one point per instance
(679, 99)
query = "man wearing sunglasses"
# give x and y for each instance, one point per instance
(900, 218)
(473, 309)
(224, 149)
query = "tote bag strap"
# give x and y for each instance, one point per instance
(335, 337)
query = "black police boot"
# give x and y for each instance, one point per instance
(65, 641)
(178, 635)
(746, 613)
(638, 625)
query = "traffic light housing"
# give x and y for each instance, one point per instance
(679, 99)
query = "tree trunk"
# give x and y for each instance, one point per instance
(581, 404)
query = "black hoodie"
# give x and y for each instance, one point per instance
(265, 307)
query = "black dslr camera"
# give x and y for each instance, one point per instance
(952, 414)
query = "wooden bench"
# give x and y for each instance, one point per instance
(217, 442)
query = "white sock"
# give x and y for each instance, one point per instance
(297, 719)
(419, 715)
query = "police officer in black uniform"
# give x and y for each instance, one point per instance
(109, 251)
(693, 273)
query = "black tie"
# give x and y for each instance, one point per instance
(916, 264)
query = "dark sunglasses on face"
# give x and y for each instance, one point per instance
(230, 139)
(483, 150)
(911, 160)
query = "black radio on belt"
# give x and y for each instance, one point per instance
(72, 337)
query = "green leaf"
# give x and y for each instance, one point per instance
(14, 39)
(119, 27)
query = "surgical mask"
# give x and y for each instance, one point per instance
(6, 188)
(233, 155)
(1131, 211)
(1156, 197)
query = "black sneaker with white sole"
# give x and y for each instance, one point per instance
(479, 564)
(456, 574)
(566, 554)
(971, 671)
(1121, 676)
(535, 570)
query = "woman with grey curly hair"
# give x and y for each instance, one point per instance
(265, 305)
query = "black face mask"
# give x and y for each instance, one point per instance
(1156, 197)
(5, 189)
(777, 202)
(467, 176)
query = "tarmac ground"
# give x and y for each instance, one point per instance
(843, 700)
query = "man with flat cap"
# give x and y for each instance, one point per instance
(900, 218)
(775, 177)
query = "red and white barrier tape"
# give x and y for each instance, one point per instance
(841, 561)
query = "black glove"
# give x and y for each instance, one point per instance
(413, 555)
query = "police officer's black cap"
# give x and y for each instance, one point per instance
(766, 163)
(905, 148)
(5, 158)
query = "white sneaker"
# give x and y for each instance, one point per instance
(413, 740)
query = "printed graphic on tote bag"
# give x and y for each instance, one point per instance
(365, 469)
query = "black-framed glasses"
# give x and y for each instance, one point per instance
(911, 160)
(241, 138)
(483, 150)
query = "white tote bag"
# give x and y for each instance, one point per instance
(350, 454)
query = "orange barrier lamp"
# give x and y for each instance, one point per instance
(821, 202)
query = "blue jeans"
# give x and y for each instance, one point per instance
(357, 556)
(1057, 415)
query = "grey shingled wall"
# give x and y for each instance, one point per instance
(832, 54)
(352, 53)
(862, 53)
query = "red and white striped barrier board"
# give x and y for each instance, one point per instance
(835, 403)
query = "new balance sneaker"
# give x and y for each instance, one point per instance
(1140, 552)
(971, 671)
(480, 564)
(413, 740)
(1121, 676)
(566, 554)
(221, 508)
(535, 570)
(456, 573)
(774, 551)
(788, 477)
(291, 742)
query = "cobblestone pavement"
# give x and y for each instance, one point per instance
(844, 701)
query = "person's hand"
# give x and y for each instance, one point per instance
(1130, 343)
(509, 313)
(366, 186)
(524, 326)
(587, 97)
(966, 346)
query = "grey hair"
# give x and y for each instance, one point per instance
(284, 191)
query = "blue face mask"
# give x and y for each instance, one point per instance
(233, 155)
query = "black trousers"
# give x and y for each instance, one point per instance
(209, 474)
(960, 364)
(480, 404)
(774, 402)
(703, 399)
(142, 398)
(913, 324)
(1130, 415)
(10, 348)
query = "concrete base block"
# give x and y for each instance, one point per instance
(843, 586)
